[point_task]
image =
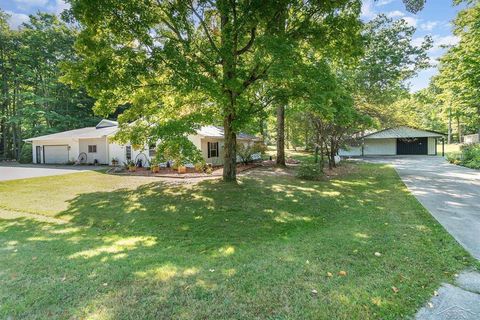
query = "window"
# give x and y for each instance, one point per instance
(128, 153)
(152, 150)
(92, 149)
(212, 149)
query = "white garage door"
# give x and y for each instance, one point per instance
(56, 154)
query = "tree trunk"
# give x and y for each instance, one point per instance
(459, 129)
(281, 135)
(449, 137)
(229, 151)
(332, 152)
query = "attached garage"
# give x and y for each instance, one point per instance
(57, 154)
(401, 140)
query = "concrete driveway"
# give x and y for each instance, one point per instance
(14, 171)
(451, 193)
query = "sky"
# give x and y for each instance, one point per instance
(435, 20)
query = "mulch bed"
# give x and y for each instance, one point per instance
(170, 173)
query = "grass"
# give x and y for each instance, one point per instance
(133, 248)
(449, 148)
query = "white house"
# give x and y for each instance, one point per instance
(400, 140)
(95, 145)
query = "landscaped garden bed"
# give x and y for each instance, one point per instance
(174, 173)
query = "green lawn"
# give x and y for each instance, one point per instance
(137, 249)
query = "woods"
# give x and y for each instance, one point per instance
(33, 101)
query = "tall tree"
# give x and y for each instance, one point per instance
(33, 100)
(216, 53)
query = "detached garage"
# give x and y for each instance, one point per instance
(401, 140)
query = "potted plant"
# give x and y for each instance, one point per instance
(154, 166)
(130, 165)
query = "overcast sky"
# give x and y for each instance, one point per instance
(435, 20)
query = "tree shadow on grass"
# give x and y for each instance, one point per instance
(213, 250)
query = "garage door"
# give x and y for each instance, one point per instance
(412, 146)
(55, 154)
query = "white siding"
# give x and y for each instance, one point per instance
(72, 152)
(471, 138)
(380, 147)
(432, 146)
(102, 150)
(118, 151)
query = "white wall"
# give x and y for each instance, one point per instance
(72, 152)
(432, 146)
(471, 138)
(380, 147)
(118, 151)
(102, 150)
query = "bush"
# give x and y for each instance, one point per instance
(26, 154)
(245, 151)
(309, 171)
(468, 157)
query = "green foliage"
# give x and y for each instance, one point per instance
(180, 150)
(246, 150)
(471, 155)
(26, 154)
(309, 171)
(32, 100)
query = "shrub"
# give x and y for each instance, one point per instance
(309, 171)
(26, 154)
(180, 150)
(468, 157)
(246, 151)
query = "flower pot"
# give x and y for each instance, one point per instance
(132, 169)
(182, 169)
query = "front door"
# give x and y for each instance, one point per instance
(38, 152)
(412, 146)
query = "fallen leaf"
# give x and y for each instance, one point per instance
(34, 258)
(435, 293)
(430, 305)
(342, 273)
(395, 289)
(377, 254)
(105, 284)
(329, 274)
(315, 292)
(212, 270)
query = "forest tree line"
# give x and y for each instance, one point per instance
(33, 100)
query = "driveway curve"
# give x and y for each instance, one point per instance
(451, 193)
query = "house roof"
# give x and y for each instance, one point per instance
(403, 132)
(107, 128)
(218, 132)
(103, 129)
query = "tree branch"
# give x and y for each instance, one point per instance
(250, 42)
